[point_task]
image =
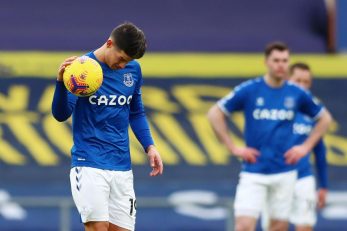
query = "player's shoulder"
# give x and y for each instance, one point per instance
(90, 54)
(296, 88)
(133, 64)
(317, 100)
(134, 67)
(248, 84)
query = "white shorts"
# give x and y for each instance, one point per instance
(304, 203)
(255, 192)
(104, 195)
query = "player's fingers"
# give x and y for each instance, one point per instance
(251, 158)
(323, 202)
(152, 173)
(290, 158)
(252, 154)
(255, 152)
(155, 171)
(62, 66)
(296, 159)
(151, 161)
(160, 166)
(65, 64)
(70, 59)
(245, 157)
(287, 154)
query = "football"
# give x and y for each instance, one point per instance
(83, 77)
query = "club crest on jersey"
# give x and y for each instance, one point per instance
(260, 101)
(289, 102)
(128, 79)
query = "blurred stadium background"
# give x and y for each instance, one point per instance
(198, 51)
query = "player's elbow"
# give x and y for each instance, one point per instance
(329, 118)
(59, 116)
(326, 119)
(136, 115)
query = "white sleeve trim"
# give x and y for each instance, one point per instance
(222, 108)
(319, 114)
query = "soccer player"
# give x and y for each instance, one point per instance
(101, 176)
(268, 175)
(303, 213)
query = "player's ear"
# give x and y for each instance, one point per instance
(109, 43)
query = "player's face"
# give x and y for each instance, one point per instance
(277, 64)
(115, 57)
(302, 78)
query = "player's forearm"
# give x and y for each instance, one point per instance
(140, 127)
(322, 176)
(219, 125)
(60, 107)
(321, 164)
(318, 131)
(139, 123)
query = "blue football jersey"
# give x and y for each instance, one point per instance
(100, 122)
(269, 116)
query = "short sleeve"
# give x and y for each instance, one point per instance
(310, 106)
(235, 100)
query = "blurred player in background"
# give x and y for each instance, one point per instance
(101, 176)
(305, 200)
(303, 214)
(268, 175)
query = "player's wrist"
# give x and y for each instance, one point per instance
(149, 148)
(234, 150)
(307, 147)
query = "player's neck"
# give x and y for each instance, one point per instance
(100, 54)
(273, 82)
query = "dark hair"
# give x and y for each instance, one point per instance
(302, 66)
(280, 46)
(130, 39)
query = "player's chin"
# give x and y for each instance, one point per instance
(115, 67)
(280, 76)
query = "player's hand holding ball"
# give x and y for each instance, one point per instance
(62, 67)
(82, 76)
